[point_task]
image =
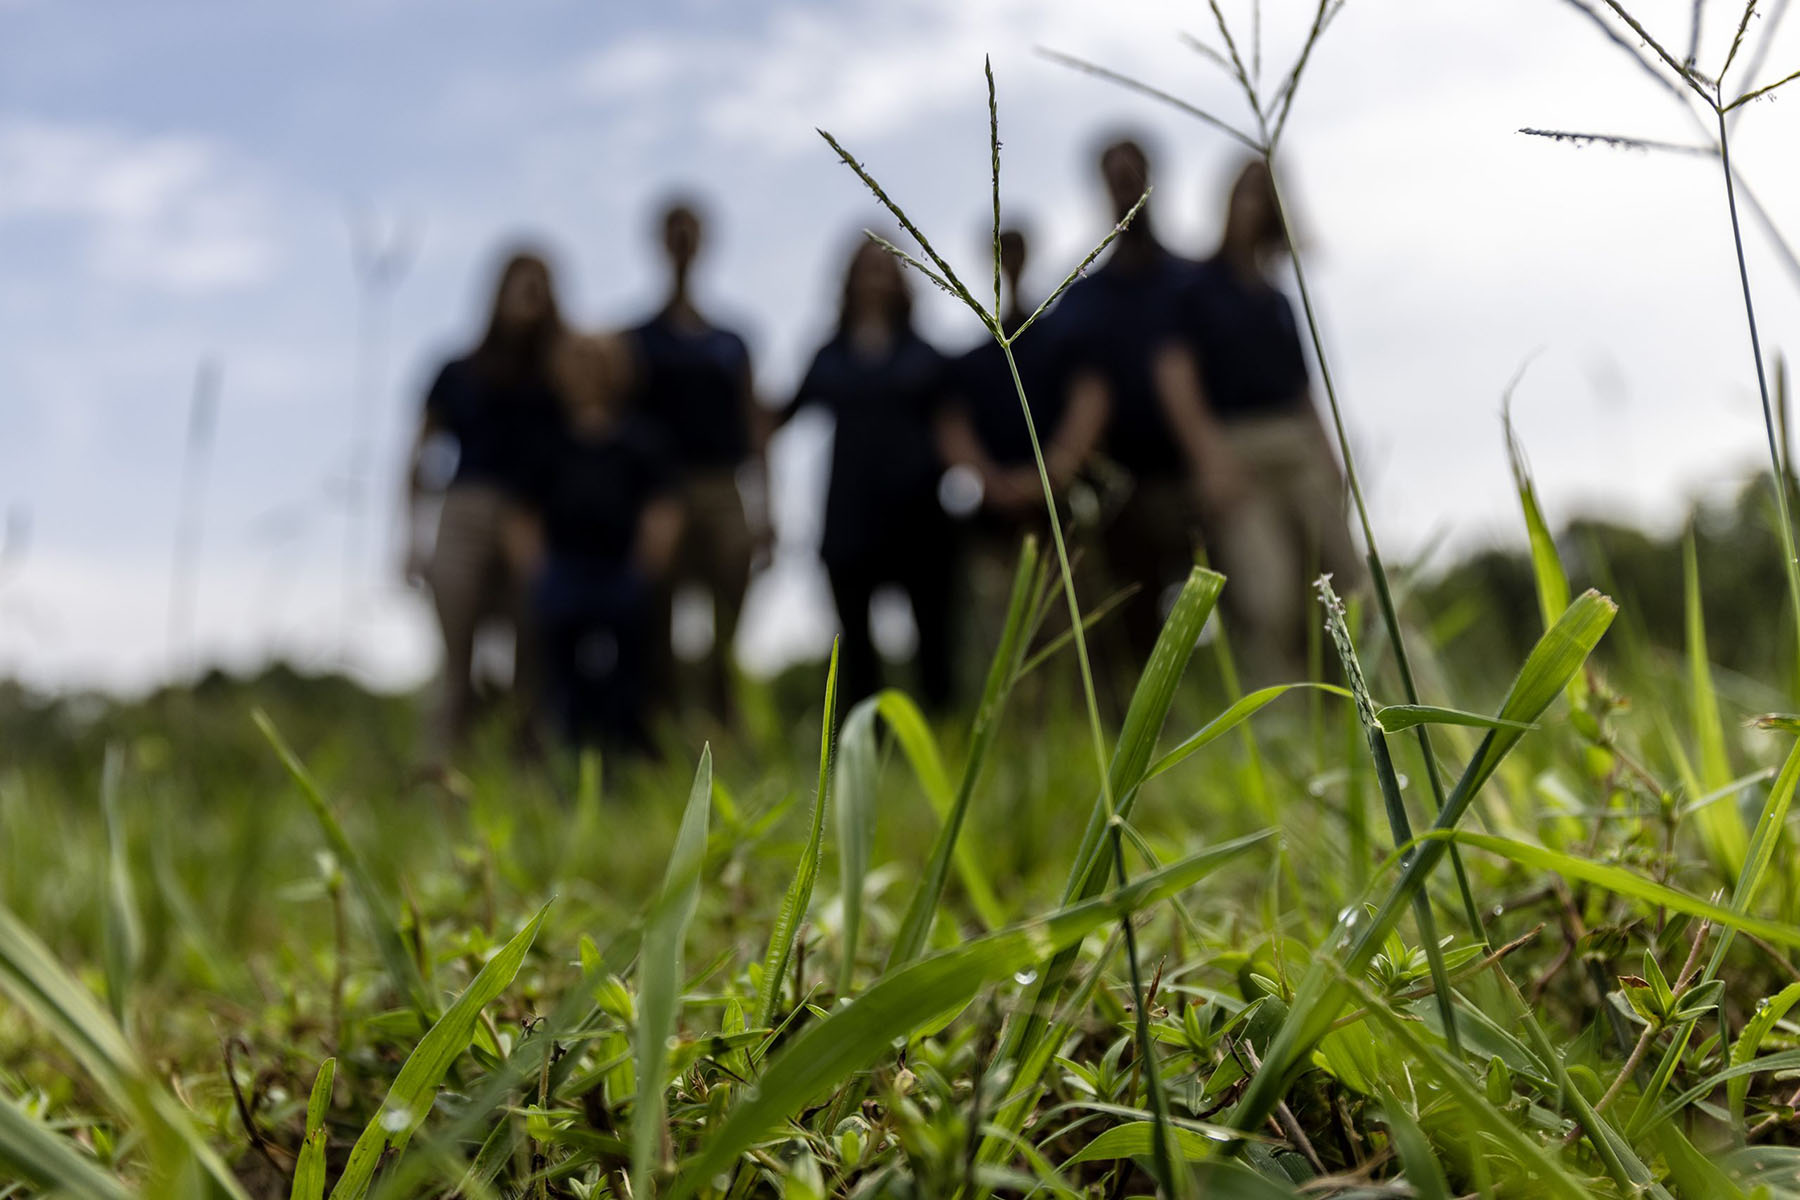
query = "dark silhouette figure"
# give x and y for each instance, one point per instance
(499, 405)
(1274, 501)
(883, 524)
(611, 521)
(982, 429)
(1111, 326)
(694, 385)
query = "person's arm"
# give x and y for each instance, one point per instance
(414, 557)
(1183, 398)
(958, 445)
(814, 389)
(1085, 413)
(658, 533)
(522, 540)
(757, 423)
(415, 554)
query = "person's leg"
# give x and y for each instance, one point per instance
(1256, 551)
(521, 561)
(859, 669)
(558, 636)
(1168, 538)
(660, 667)
(627, 724)
(462, 566)
(1131, 546)
(930, 582)
(1265, 558)
(726, 573)
(1316, 497)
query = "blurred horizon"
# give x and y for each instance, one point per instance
(189, 185)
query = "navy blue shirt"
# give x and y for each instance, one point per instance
(1114, 322)
(691, 387)
(1247, 342)
(981, 383)
(505, 435)
(884, 460)
(595, 496)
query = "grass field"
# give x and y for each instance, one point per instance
(189, 939)
(1513, 912)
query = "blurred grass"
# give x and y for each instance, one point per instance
(200, 840)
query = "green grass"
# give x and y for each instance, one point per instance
(882, 1071)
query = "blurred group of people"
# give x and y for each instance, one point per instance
(597, 474)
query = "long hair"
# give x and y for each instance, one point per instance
(900, 314)
(1267, 237)
(510, 357)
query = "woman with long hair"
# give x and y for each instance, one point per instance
(499, 406)
(883, 384)
(1278, 519)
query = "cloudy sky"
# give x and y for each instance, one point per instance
(179, 182)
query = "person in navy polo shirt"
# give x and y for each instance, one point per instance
(694, 386)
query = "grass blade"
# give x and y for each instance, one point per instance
(1392, 718)
(123, 933)
(1418, 1163)
(659, 967)
(309, 1168)
(1783, 1060)
(913, 732)
(1623, 883)
(1546, 564)
(1750, 1039)
(34, 1154)
(1548, 1173)
(1769, 831)
(1721, 826)
(378, 911)
(915, 926)
(1548, 669)
(1245, 708)
(799, 893)
(1144, 719)
(825, 1054)
(857, 778)
(1134, 1139)
(409, 1100)
(44, 991)
(1399, 824)
(1027, 1032)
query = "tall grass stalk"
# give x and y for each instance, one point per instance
(196, 455)
(1710, 92)
(1271, 115)
(1711, 97)
(945, 278)
(1790, 553)
(378, 264)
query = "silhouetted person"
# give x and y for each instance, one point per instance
(883, 524)
(499, 405)
(1111, 325)
(611, 520)
(694, 385)
(983, 429)
(1275, 509)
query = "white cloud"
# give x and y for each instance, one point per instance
(169, 212)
